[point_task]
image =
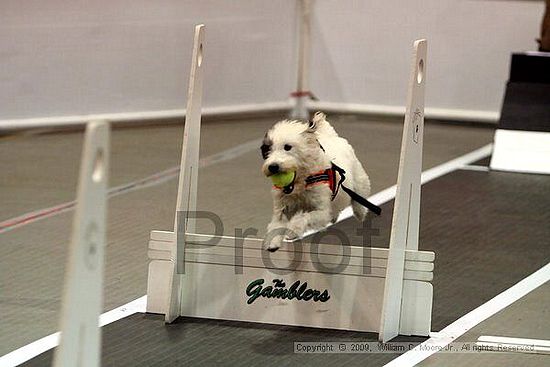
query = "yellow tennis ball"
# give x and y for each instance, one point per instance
(283, 179)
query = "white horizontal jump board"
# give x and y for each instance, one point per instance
(303, 266)
(161, 240)
(285, 257)
(285, 260)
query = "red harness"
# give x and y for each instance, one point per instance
(328, 176)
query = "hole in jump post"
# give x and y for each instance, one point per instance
(420, 71)
(199, 56)
(97, 170)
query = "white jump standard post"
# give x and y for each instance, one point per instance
(258, 287)
(80, 343)
(406, 212)
(189, 169)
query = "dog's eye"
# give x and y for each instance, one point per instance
(287, 147)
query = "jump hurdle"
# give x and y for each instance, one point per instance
(382, 290)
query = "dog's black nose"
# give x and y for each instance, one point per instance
(273, 168)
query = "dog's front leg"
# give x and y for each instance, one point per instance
(314, 220)
(275, 229)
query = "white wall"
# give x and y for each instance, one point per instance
(362, 50)
(64, 58)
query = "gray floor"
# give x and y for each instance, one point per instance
(41, 170)
(475, 261)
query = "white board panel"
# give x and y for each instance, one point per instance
(354, 303)
(521, 151)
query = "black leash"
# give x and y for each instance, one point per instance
(331, 178)
(353, 195)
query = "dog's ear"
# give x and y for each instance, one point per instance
(266, 147)
(312, 126)
(314, 123)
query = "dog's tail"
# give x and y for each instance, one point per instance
(321, 126)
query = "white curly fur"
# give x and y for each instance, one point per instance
(310, 207)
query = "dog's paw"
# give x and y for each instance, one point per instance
(272, 247)
(291, 235)
(295, 230)
(272, 244)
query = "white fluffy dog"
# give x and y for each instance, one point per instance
(313, 199)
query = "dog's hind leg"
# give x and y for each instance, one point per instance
(361, 185)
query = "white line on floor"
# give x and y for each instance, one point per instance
(507, 344)
(456, 163)
(471, 167)
(37, 347)
(472, 318)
